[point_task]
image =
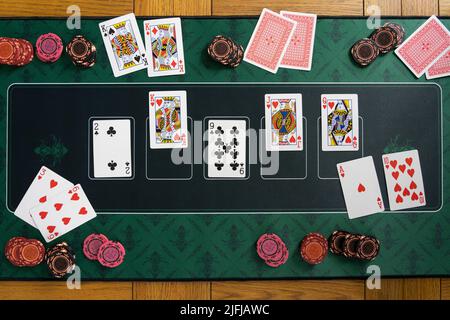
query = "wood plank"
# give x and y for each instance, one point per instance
(445, 288)
(420, 7)
(57, 290)
(444, 7)
(153, 7)
(406, 289)
(288, 289)
(321, 7)
(192, 7)
(387, 7)
(172, 290)
(57, 8)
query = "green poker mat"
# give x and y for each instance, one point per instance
(212, 240)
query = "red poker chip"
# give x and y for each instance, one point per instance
(111, 254)
(31, 252)
(314, 248)
(12, 251)
(92, 244)
(49, 47)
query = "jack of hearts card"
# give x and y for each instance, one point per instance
(340, 122)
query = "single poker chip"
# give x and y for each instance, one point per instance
(351, 244)
(49, 47)
(92, 244)
(81, 51)
(364, 52)
(368, 248)
(60, 264)
(12, 251)
(336, 242)
(279, 259)
(7, 51)
(399, 30)
(111, 254)
(31, 252)
(385, 38)
(314, 248)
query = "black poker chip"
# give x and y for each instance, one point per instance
(399, 30)
(385, 39)
(81, 51)
(368, 248)
(351, 244)
(336, 242)
(225, 51)
(364, 51)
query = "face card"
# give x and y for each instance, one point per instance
(111, 145)
(441, 68)
(168, 119)
(227, 149)
(123, 43)
(359, 183)
(284, 125)
(299, 52)
(269, 40)
(340, 122)
(45, 185)
(63, 213)
(425, 46)
(404, 180)
(164, 44)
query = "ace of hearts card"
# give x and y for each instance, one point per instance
(284, 125)
(164, 44)
(340, 122)
(404, 180)
(168, 119)
(123, 43)
(360, 186)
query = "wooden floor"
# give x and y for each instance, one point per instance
(430, 288)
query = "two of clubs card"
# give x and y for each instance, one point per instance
(54, 205)
(361, 188)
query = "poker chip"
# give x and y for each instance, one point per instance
(336, 242)
(399, 30)
(92, 244)
(111, 254)
(364, 51)
(272, 250)
(60, 260)
(314, 248)
(49, 47)
(368, 248)
(225, 51)
(82, 52)
(385, 39)
(351, 243)
(15, 52)
(23, 252)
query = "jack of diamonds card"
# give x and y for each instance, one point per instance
(340, 122)
(164, 44)
(284, 125)
(227, 148)
(123, 43)
(404, 180)
(168, 119)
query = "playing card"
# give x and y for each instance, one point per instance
(45, 185)
(269, 40)
(111, 145)
(425, 46)
(164, 45)
(168, 119)
(441, 68)
(62, 213)
(340, 122)
(404, 180)
(227, 148)
(360, 186)
(123, 43)
(299, 52)
(284, 125)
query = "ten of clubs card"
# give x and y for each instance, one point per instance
(404, 180)
(284, 126)
(111, 143)
(168, 119)
(340, 122)
(227, 148)
(164, 43)
(360, 186)
(123, 43)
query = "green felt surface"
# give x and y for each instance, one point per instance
(210, 246)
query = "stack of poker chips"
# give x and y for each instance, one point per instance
(60, 260)
(15, 52)
(225, 51)
(82, 52)
(49, 47)
(108, 253)
(23, 252)
(272, 250)
(314, 248)
(356, 246)
(383, 40)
